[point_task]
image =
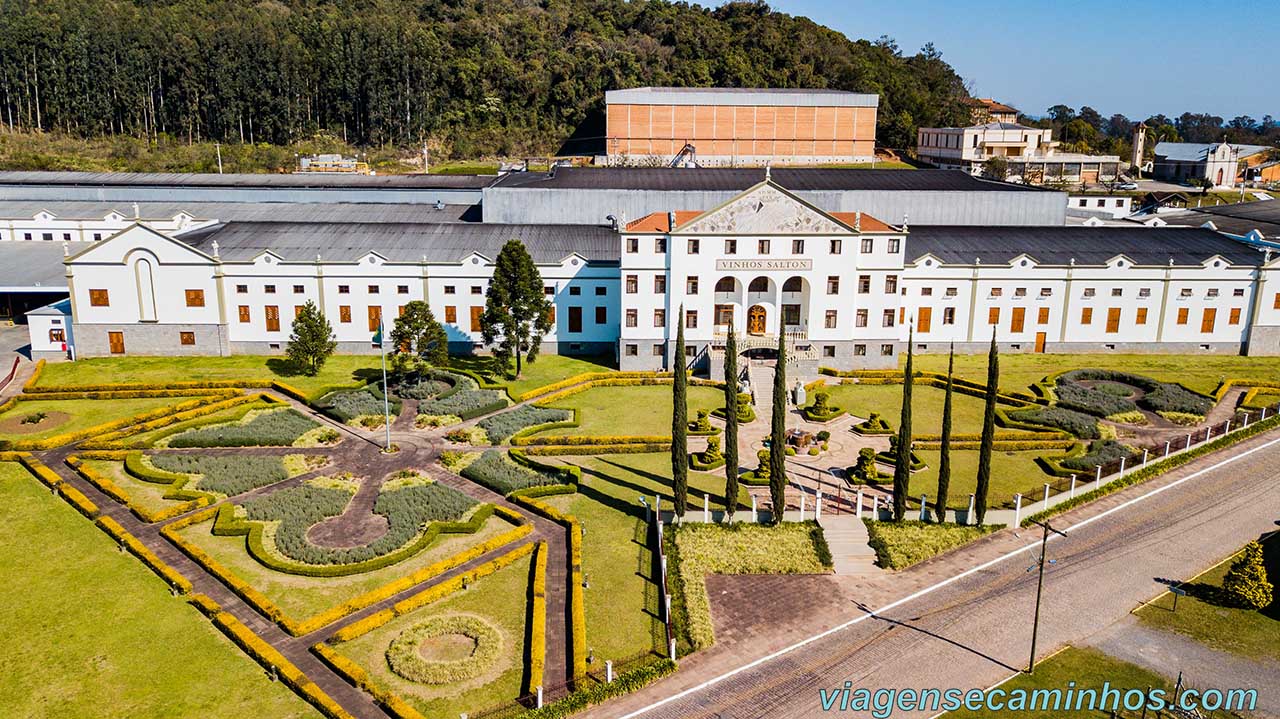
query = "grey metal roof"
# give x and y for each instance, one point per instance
(1197, 151)
(245, 180)
(738, 179)
(817, 97)
(1055, 245)
(35, 266)
(1237, 219)
(244, 211)
(401, 242)
(57, 309)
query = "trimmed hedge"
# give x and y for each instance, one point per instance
(467, 404)
(586, 377)
(170, 575)
(180, 422)
(1079, 424)
(577, 610)
(537, 639)
(590, 440)
(404, 659)
(1158, 396)
(623, 684)
(116, 492)
(72, 437)
(273, 428)
(348, 404)
(495, 470)
(562, 450)
(1102, 451)
(501, 427)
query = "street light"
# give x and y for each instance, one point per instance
(1035, 625)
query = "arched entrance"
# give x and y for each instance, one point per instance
(1220, 176)
(756, 320)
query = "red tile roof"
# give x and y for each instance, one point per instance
(660, 221)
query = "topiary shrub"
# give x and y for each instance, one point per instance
(1182, 419)
(1245, 584)
(865, 471)
(823, 436)
(710, 458)
(875, 424)
(702, 425)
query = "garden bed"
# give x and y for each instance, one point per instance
(899, 545)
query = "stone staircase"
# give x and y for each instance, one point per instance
(847, 538)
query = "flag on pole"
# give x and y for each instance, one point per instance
(377, 336)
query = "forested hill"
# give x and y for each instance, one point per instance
(475, 77)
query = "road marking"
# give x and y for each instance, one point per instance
(929, 590)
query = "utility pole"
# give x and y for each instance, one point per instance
(1035, 625)
(386, 390)
(217, 146)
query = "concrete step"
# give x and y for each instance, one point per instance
(847, 538)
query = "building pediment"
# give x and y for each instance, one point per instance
(765, 209)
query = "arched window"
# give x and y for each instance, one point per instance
(725, 284)
(795, 284)
(759, 284)
(146, 290)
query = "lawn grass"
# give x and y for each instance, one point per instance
(1266, 400)
(302, 597)
(861, 400)
(147, 495)
(1204, 618)
(1201, 373)
(547, 369)
(100, 635)
(1089, 669)
(1011, 473)
(339, 370)
(82, 413)
(899, 545)
(634, 411)
(503, 600)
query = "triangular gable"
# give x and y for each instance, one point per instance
(766, 209)
(138, 236)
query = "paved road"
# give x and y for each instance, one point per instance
(976, 631)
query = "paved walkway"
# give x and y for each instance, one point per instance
(846, 536)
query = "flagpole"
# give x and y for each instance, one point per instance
(386, 402)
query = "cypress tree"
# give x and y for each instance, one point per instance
(778, 434)
(731, 423)
(902, 461)
(944, 460)
(516, 311)
(680, 423)
(988, 432)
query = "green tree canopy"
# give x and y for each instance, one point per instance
(516, 312)
(311, 340)
(418, 339)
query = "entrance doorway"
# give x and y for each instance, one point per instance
(1040, 337)
(116, 342)
(755, 320)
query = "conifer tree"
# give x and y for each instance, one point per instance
(988, 432)
(680, 423)
(418, 338)
(902, 461)
(944, 460)
(516, 311)
(731, 423)
(1246, 582)
(778, 434)
(311, 340)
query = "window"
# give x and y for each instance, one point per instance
(695, 246)
(549, 291)
(864, 287)
(297, 310)
(346, 290)
(1046, 291)
(1089, 292)
(997, 291)
(1102, 203)
(344, 313)
(868, 245)
(731, 247)
(926, 292)
(273, 318)
(1042, 316)
(660, 245)
(475, 290)
(797, 247)
(860, 318)
(691, 286)
(1183, 315)
(101, 298)
(1144, 292)
(895, 245)
(1086, 316)
(860, 350)
(57, 335)
(448, 290)
(374, 289)
(399, 311)
(691, 351)
(1113, 320)
(47, 236)
(833, 285)
(886, 350)
(993, 316)
(97, 237)
(602, 315)
(551, 315)
(1208, 319)
(1141, 318)
(299, 289)
(1276, 303)
(724, 285)
(633, 284)
(723, 315)
(660, 285)
(195, 298)
(1212, 292)
(1185, 292)
(1083, 202)
(633, 350)
(758, 285)
(1119, 203)
(951, 292)
(632, 316)
(792, 286)
(828, 350)
(762, 247)
(575, 291)
(26, 235)
(375, 317)
(887, 319)
(1017, 323)
(657, 350)
(948, 315)
(269, 289)
(187, 338)
(659, 318)
(830, 320)
(691, 319)
(924, 319)
(1020, 292)
(891, 284)
(633, 245)
(836, 247)
(402, 289)
(477, 312)
(1234, 317)
(1117, 292)
(244, 313)
(1237, 292)
(450, 314)
(601, 291)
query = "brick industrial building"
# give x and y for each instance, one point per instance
(740, 127)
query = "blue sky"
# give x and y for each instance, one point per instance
(1136, 57)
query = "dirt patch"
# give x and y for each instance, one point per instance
(15, 424)
(447, 648)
